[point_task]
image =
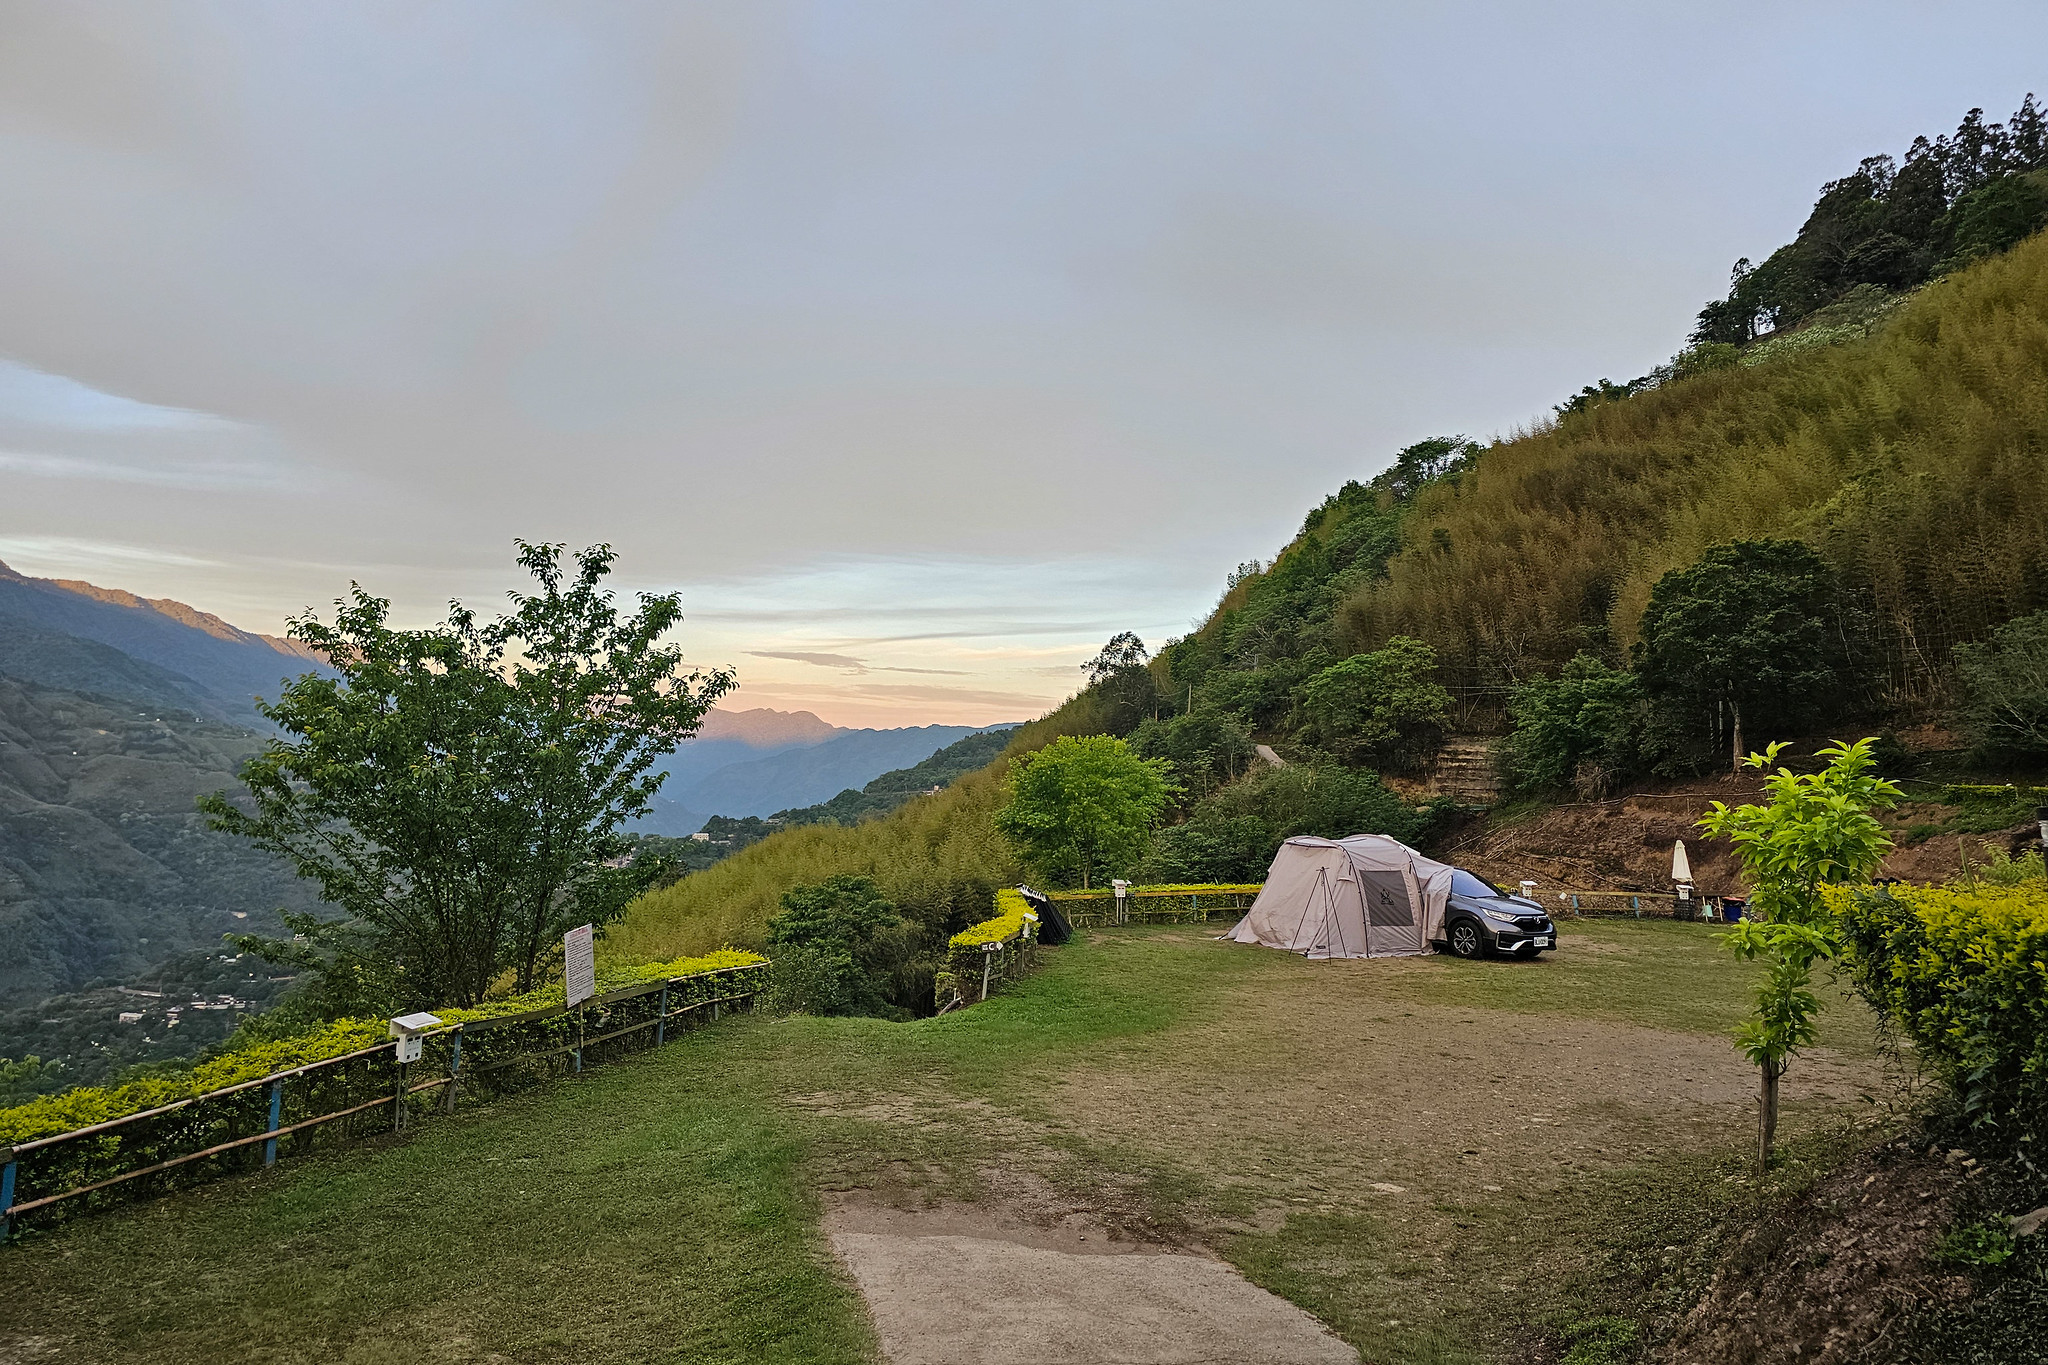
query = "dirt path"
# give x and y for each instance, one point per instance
(1337, 1128)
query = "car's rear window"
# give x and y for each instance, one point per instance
(1463, 883)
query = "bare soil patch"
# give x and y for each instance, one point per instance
(1827, 1280)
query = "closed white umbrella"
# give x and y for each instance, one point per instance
(1681, 866)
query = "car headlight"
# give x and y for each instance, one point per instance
(1502, 917)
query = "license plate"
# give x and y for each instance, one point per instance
(1543, 943)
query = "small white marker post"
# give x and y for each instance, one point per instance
(579, 976)
(407, 1029)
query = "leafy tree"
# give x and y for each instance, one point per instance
(1083, 805)
(1583, 729)
(828, 942)
(1744, 631)
(596, 698)
(2005, 689)
(1996, 216)
(1232, 835)
(1385, 706)
(1119, 678)
(1818, 830)
(1206, 748)
(458, 801)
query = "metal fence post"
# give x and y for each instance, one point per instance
(276, 1116)
(661, 1018)
(7, 1197)
(579, 1037)
(454, 1070)
(398, 1099)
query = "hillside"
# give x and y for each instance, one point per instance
(1913, 460)
(162, 652)
(759, 762)
(894, 788)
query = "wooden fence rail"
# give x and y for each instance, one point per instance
(341, 1098)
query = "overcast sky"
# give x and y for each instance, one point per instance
(922, 347)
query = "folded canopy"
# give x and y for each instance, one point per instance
(1364, 896)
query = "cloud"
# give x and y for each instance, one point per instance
(841, 661)
(222, 475)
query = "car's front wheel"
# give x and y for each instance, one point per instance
(1466, 941)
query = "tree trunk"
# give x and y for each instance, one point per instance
(1736, 766)
(1767, 1112)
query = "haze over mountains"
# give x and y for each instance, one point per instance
(117, 712)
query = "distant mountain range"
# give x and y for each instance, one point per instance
(117, 711)
(761, 762)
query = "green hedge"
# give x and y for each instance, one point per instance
(1962, 972)
(50, 1115)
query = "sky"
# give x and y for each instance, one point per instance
(920, 347)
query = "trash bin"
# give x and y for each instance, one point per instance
(1732, 908)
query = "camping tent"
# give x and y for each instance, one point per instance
(1365, 896)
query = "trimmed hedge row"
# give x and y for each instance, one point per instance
(49, 1115)
(1962, 971)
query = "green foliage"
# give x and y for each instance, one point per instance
(1818, 830)
(1383, 707)
(1892, 225)
(1975, 1244)
(1231, 837)
(1600, 1341)
(1122, 684)
(831, 933)
(1083, 805)
(2005, 689)
(1962, 972)
(1996, 217)
(30, 1076)
(459, 791)
(1276, 627)
(1909, 461)
(254, 1053)
(1585, 729)
(1746, 627)
(1206, 748)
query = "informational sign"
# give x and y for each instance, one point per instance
(579, 962)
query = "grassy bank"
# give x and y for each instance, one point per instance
(667, 1208)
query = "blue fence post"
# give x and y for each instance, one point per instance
(661, 1018)
(7, 1197)
(276, 1115)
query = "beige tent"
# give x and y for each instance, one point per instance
(1365, 896)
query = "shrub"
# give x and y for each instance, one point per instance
(1587, 727)
(1385, 706)
(1083, 805)
(1962, 971)
(1206, 748)
(833, 937)
(1232, 836)
(2005, 689)
(248, 1058)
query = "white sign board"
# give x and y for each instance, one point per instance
(579, 964)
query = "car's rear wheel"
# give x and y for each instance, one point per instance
(1466, 941)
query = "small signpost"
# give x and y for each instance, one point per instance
(579, 976)
(579, 964)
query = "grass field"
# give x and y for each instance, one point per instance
(1432, 1156)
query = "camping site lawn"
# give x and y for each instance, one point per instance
(1437, 1158)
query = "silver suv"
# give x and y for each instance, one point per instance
(1482, 919)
